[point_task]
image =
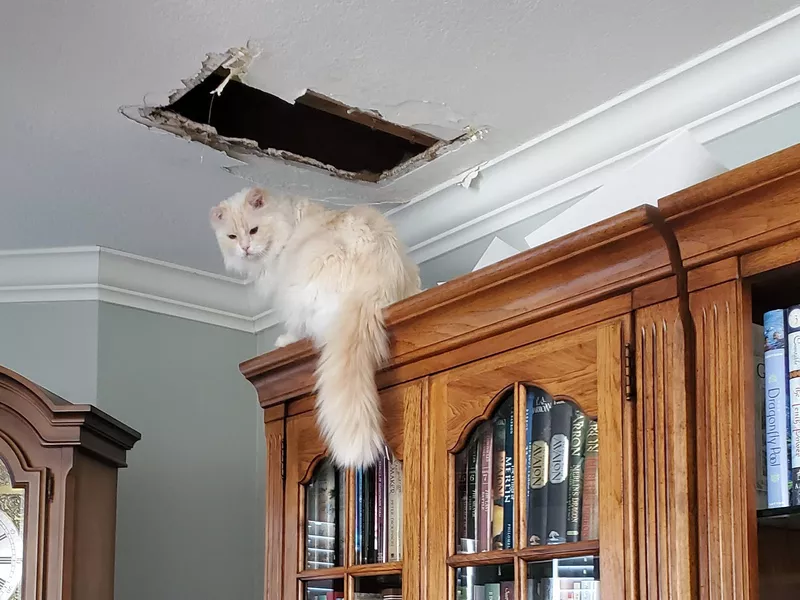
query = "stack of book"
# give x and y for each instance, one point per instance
(778, 408)
(561, 446)
(325, 518)
(379, 512)
(485, 480)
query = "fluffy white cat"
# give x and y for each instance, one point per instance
(329, 274)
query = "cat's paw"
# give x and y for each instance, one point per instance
(285, 339)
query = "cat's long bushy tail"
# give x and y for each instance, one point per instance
(348, 406)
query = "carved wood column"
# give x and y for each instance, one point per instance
(724, 443)
(666, 455)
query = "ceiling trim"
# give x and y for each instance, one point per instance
(745, 80)
(105, 275)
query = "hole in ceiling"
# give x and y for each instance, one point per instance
(313, 127)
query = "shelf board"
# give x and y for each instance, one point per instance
(531, 554)
(390, 568)
(780, 518)
(317, 574)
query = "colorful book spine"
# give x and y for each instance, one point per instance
(558, 489)
(462, 498)
(776, 409)
(530, 396)
(793, 356)
(470, 543)
(492, 591)
(498, 481)
(577, 444)
(506, 590)
(359, 547)
(539, 469)
(508, 481)
(760, 424)
(380, 511)
(485, 491)
(395, 509)
(590, 508)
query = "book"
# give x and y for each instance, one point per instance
(380, 510)
(776, 409)
(793, 368)
(359, 524)
(590, 506)
(539, 465)
(485, 489)
(577, 443)
(498, 480)
(509, 480)
(492, 591)
(760, 425)
(557, 492)
(479, 592)
(506, 590)
(470, 543)
(395, 510)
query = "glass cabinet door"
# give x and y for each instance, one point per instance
(517, 478)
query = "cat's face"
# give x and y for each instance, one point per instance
(249, 229)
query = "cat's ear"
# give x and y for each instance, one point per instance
(217, 215)
(256, 197)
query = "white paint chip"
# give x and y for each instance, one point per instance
(678, 163)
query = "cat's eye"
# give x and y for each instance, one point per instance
(232, 236)
(254, 230)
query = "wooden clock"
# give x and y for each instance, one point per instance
(58, 488)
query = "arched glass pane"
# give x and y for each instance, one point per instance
(379, 511)
(12, 521)
(561, 445)
(485, 484)
(325, 517)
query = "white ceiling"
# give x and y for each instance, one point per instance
(73, 171)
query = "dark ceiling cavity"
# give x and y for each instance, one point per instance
(314, 127)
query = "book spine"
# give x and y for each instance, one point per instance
(492, 591)
(561, 418)
(793, 356)
(470, 544)
(498, 481)
(485, 491)
(462, 498)
(399, 491)
(380, 503)
(341, 516)
(577, 443)
(369, 515)
(539, 469)
(359, 516)
(392, 509)
(590, 508)
(760, 425)
(776, 409)
(508, 483)
(506, 590)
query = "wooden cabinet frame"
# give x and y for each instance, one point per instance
(667, 291)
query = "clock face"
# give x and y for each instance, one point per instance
(10, 557)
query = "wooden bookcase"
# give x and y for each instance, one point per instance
(642, 323)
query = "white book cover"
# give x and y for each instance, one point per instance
(498, 250)
(678, 163)
(760, 425)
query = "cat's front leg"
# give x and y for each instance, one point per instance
(285, 339)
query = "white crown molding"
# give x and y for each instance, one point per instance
(105, 275)
(739, 83)
(734, 85)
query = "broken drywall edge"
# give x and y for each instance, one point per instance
(237, 60)
(470, 177)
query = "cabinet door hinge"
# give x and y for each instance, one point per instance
(49, 486)
(630, 374)
(283, 459)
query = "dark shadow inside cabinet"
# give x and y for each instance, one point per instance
(775, 299)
